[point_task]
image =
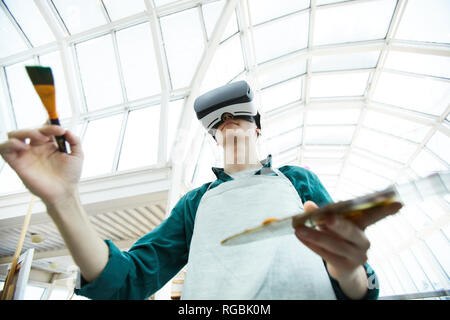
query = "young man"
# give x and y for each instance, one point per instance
(324, 263)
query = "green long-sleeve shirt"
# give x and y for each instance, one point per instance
(159, 255)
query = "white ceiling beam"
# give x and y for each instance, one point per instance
(185, 135)
(395, 21)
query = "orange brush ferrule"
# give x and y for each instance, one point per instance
(47, 94)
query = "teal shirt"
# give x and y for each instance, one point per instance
(159, 255)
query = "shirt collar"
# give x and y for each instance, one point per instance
(266, 163)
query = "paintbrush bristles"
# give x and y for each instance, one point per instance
(42, 79)
(40, 75)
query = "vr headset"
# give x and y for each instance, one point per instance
(215, 106)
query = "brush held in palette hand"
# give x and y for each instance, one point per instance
(42, 79)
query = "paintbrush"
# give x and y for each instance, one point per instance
(42, 79)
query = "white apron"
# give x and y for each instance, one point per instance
(276, 268)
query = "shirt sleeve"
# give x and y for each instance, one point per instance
(149, 264)
(310, 187)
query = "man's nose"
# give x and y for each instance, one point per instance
(227, 117)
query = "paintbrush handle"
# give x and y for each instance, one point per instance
(60, 140)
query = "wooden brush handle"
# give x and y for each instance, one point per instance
(60, 140)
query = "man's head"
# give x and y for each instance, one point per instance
(232, 103)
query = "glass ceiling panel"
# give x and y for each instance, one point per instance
(440, 145)
(264, 10)
(281, 124)
(53, 60)
(211, 15)
(118, 9)
(281, 94)
(403, 128)
(433, 65)
(347, 61)
(386, 146)
(99, 145)
(364, 177)
(99, 73)
(184, 44)
(28, 108)
(31, 21)
(226, 64)
(339, 116)
(425, 20)
(9, 36)
(322, 2)
(283, 142)
(268, 42)
(417, 93)
(367, 20)
(140, 143)
(336, 152)
(339, 85)
(382, 168)
(162, 2)
(137, 57)
(281, 72)
(319, 166)
(80, 15)
(328, 135)
(10, 181)
(175, 110)
(425, 164)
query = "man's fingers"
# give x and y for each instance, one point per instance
(332, 243)
(348, 231)
(13, 145)
(34, 136)
(75, 144)
(309, 206)
(52, 130)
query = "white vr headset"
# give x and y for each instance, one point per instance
(234, 98)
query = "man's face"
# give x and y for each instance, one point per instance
(234, 127)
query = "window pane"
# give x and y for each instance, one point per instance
(416, 93)
(395, 125)
(175, 110)
(438, 66)
(386, 146)
(339, 85)
(439, 144)
(281, 72)
(270, 44)
(183, 41)
(80, 15)
(159, 3)
(28, 108)
(425, 21)
(364, 177)
(425, 164)
(281, 94)
(99, 73)
(383, 168)
(285, 141)
(336, 152)
(342, 116)
(140, 144)
(118, 9)
(329, 134)
(30, 20)
(358, 60)
(33, 293)
(99, 145)
(53, 60)
(320, 166)
(211, 14)
(59, 294)
(137, 57)
(279, 124)
(440, 248)
(367, 20)
(10, 181)
(226, 64)
(9, 36)
(263, 10)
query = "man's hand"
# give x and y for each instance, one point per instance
(343, 245)
(33, 154)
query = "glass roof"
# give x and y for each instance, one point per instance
(357, 91)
